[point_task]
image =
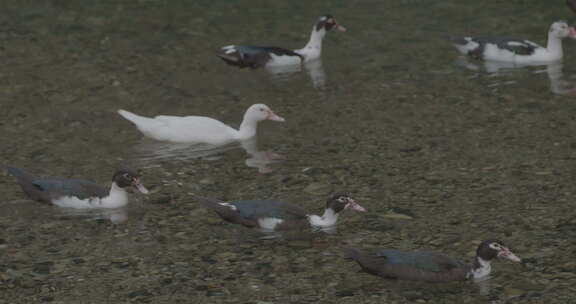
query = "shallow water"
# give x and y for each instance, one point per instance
(442, 152)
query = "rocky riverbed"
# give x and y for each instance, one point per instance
(441, 156)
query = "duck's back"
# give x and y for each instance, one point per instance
(418, 265)
(254, 209)
(50, 188)
(191, 129)
(79, 188)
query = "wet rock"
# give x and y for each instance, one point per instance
(410, 149)
(206, 181)
(412, 295)
(43, 268)
(399, 214)
(164, 199)
(318, 188)
(215, 293)
(141, 295)
(78, 260)
(311, 171)
(345, 293)
(299, 244)
(511, 293)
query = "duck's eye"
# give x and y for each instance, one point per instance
(126, 176)
(261, 109)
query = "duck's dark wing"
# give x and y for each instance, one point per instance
(516, 46)
(254, 209)
(477, 46)
(248, 212)
(46, 189)
(252, 56)
(424, 260)
(26, 182)
(226, 211)
(80, 188)
(418, 265)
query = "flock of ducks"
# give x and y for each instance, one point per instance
(271, 215)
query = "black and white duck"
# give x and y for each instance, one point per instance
(272, 215)
(269, 56)
(517, 50)
(429, 265)
(79, 193)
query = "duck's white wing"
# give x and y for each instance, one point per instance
(192, 129)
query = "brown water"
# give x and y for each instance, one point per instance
(441, 155)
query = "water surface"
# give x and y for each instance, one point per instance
(443, 153)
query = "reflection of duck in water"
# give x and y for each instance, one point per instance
(558, 82)
(491, 67)
(517, 50)
(79, 193)
(313, 68)
(316, 73)
(113, 215)
(258, 158)
(157, 151)
(263, 56)
(200, 129)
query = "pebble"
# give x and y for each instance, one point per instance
(318, 188)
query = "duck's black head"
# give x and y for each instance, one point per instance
(125, 177)
(341, 201)
(328, 23)
(491, 249)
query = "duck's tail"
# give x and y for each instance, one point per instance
(28, 185)
(351, 253)
(243, 56)
(19, 173)
(369, 264)
(135, 119)
(210, 203)
(226, 211)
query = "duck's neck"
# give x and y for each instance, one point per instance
(247, 129)
(313, 48)
(117, 197)
(328, 219)
(480, 269)
(554, 47)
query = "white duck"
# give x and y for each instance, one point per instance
(517, 50)
(257, 56)
(200, 129)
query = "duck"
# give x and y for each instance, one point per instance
(79, 193)
(517, 50)
(200, 129)
(269, 56)
(273, 215)
(430, 266)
